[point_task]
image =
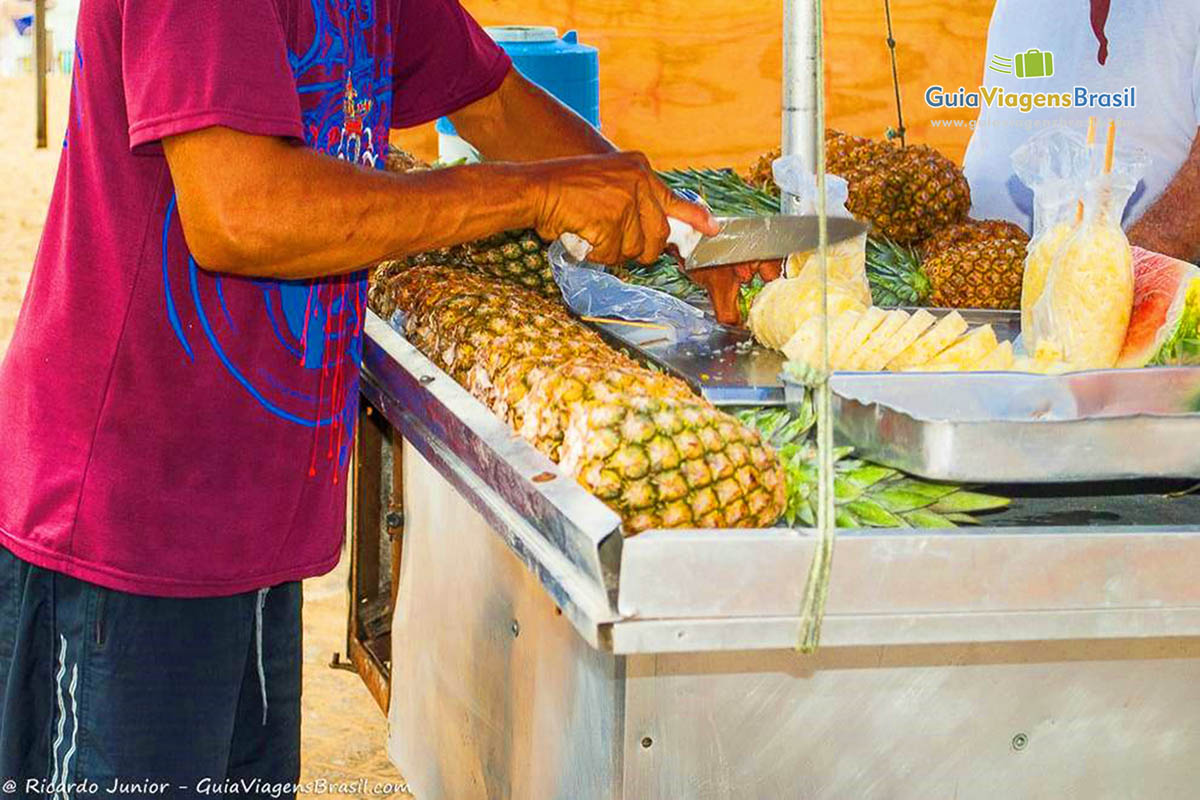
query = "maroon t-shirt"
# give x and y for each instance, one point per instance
(171, 431)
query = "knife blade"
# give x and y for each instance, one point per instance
(767, 238)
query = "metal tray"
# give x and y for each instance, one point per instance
(1019, 428)
(729, 368)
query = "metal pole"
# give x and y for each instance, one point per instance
(39, 67)
(800, 85)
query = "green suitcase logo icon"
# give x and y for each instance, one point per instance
(1033, 63)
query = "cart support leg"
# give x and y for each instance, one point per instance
(39, 68)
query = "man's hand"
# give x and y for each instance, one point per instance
(615, 202)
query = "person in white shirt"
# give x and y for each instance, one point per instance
(1151, 46)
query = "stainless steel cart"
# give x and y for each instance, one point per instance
(536, 654)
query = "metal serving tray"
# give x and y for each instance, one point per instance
(728, 368)
(1020, 428)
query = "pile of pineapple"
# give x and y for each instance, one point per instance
(640, 441)
(489, 314)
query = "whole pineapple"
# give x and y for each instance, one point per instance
(761, 175)
(913, 194)
(673, 463)
(976, 265)
(906, 193)
(849, 156)
(970, 231)
(854, 157)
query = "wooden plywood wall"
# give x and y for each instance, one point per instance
(697, 82)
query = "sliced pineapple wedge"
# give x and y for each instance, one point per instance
(893, 321)
(968, 349)
(805, 344)
(885, 350)
(948, 329)
(843, 347)
(999, 360)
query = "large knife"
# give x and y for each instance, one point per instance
(769, 238)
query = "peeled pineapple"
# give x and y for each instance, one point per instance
(875, 339)
(999, 360)
(893, 322)
(843, 346)
(845, 265)
(1038, 261)
(785, 303)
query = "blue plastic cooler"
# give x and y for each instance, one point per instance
(563, 67)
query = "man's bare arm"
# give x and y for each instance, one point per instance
(1172, 225)
(258, 205)
(521, 122)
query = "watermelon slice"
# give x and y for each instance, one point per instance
(1165, 326)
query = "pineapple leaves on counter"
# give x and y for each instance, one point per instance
(867, 495)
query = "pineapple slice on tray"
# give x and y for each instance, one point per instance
(893, 322)
(967, 349)
(863, 329)
(1001, 359)
(806, 343)
(944, 332)
(882, 353)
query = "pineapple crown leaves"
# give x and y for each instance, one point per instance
(665, 275)
(868, 495)
(725, 192)
(894, 273)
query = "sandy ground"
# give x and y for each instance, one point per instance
(344, 731)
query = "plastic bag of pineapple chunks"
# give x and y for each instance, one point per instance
(1083, 313)
(1054, 164)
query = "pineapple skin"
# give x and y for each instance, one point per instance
(518, 256)
(515, 256)
(671, 463)
(910, 195)
(543, 413)
(976, 269)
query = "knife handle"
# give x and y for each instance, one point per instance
(683, 236)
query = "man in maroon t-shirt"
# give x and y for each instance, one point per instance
(178, 402)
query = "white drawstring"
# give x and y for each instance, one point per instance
(258, 635)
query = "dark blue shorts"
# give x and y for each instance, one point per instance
(104, 693)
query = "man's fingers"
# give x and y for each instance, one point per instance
(654, 225)
(693, 214)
